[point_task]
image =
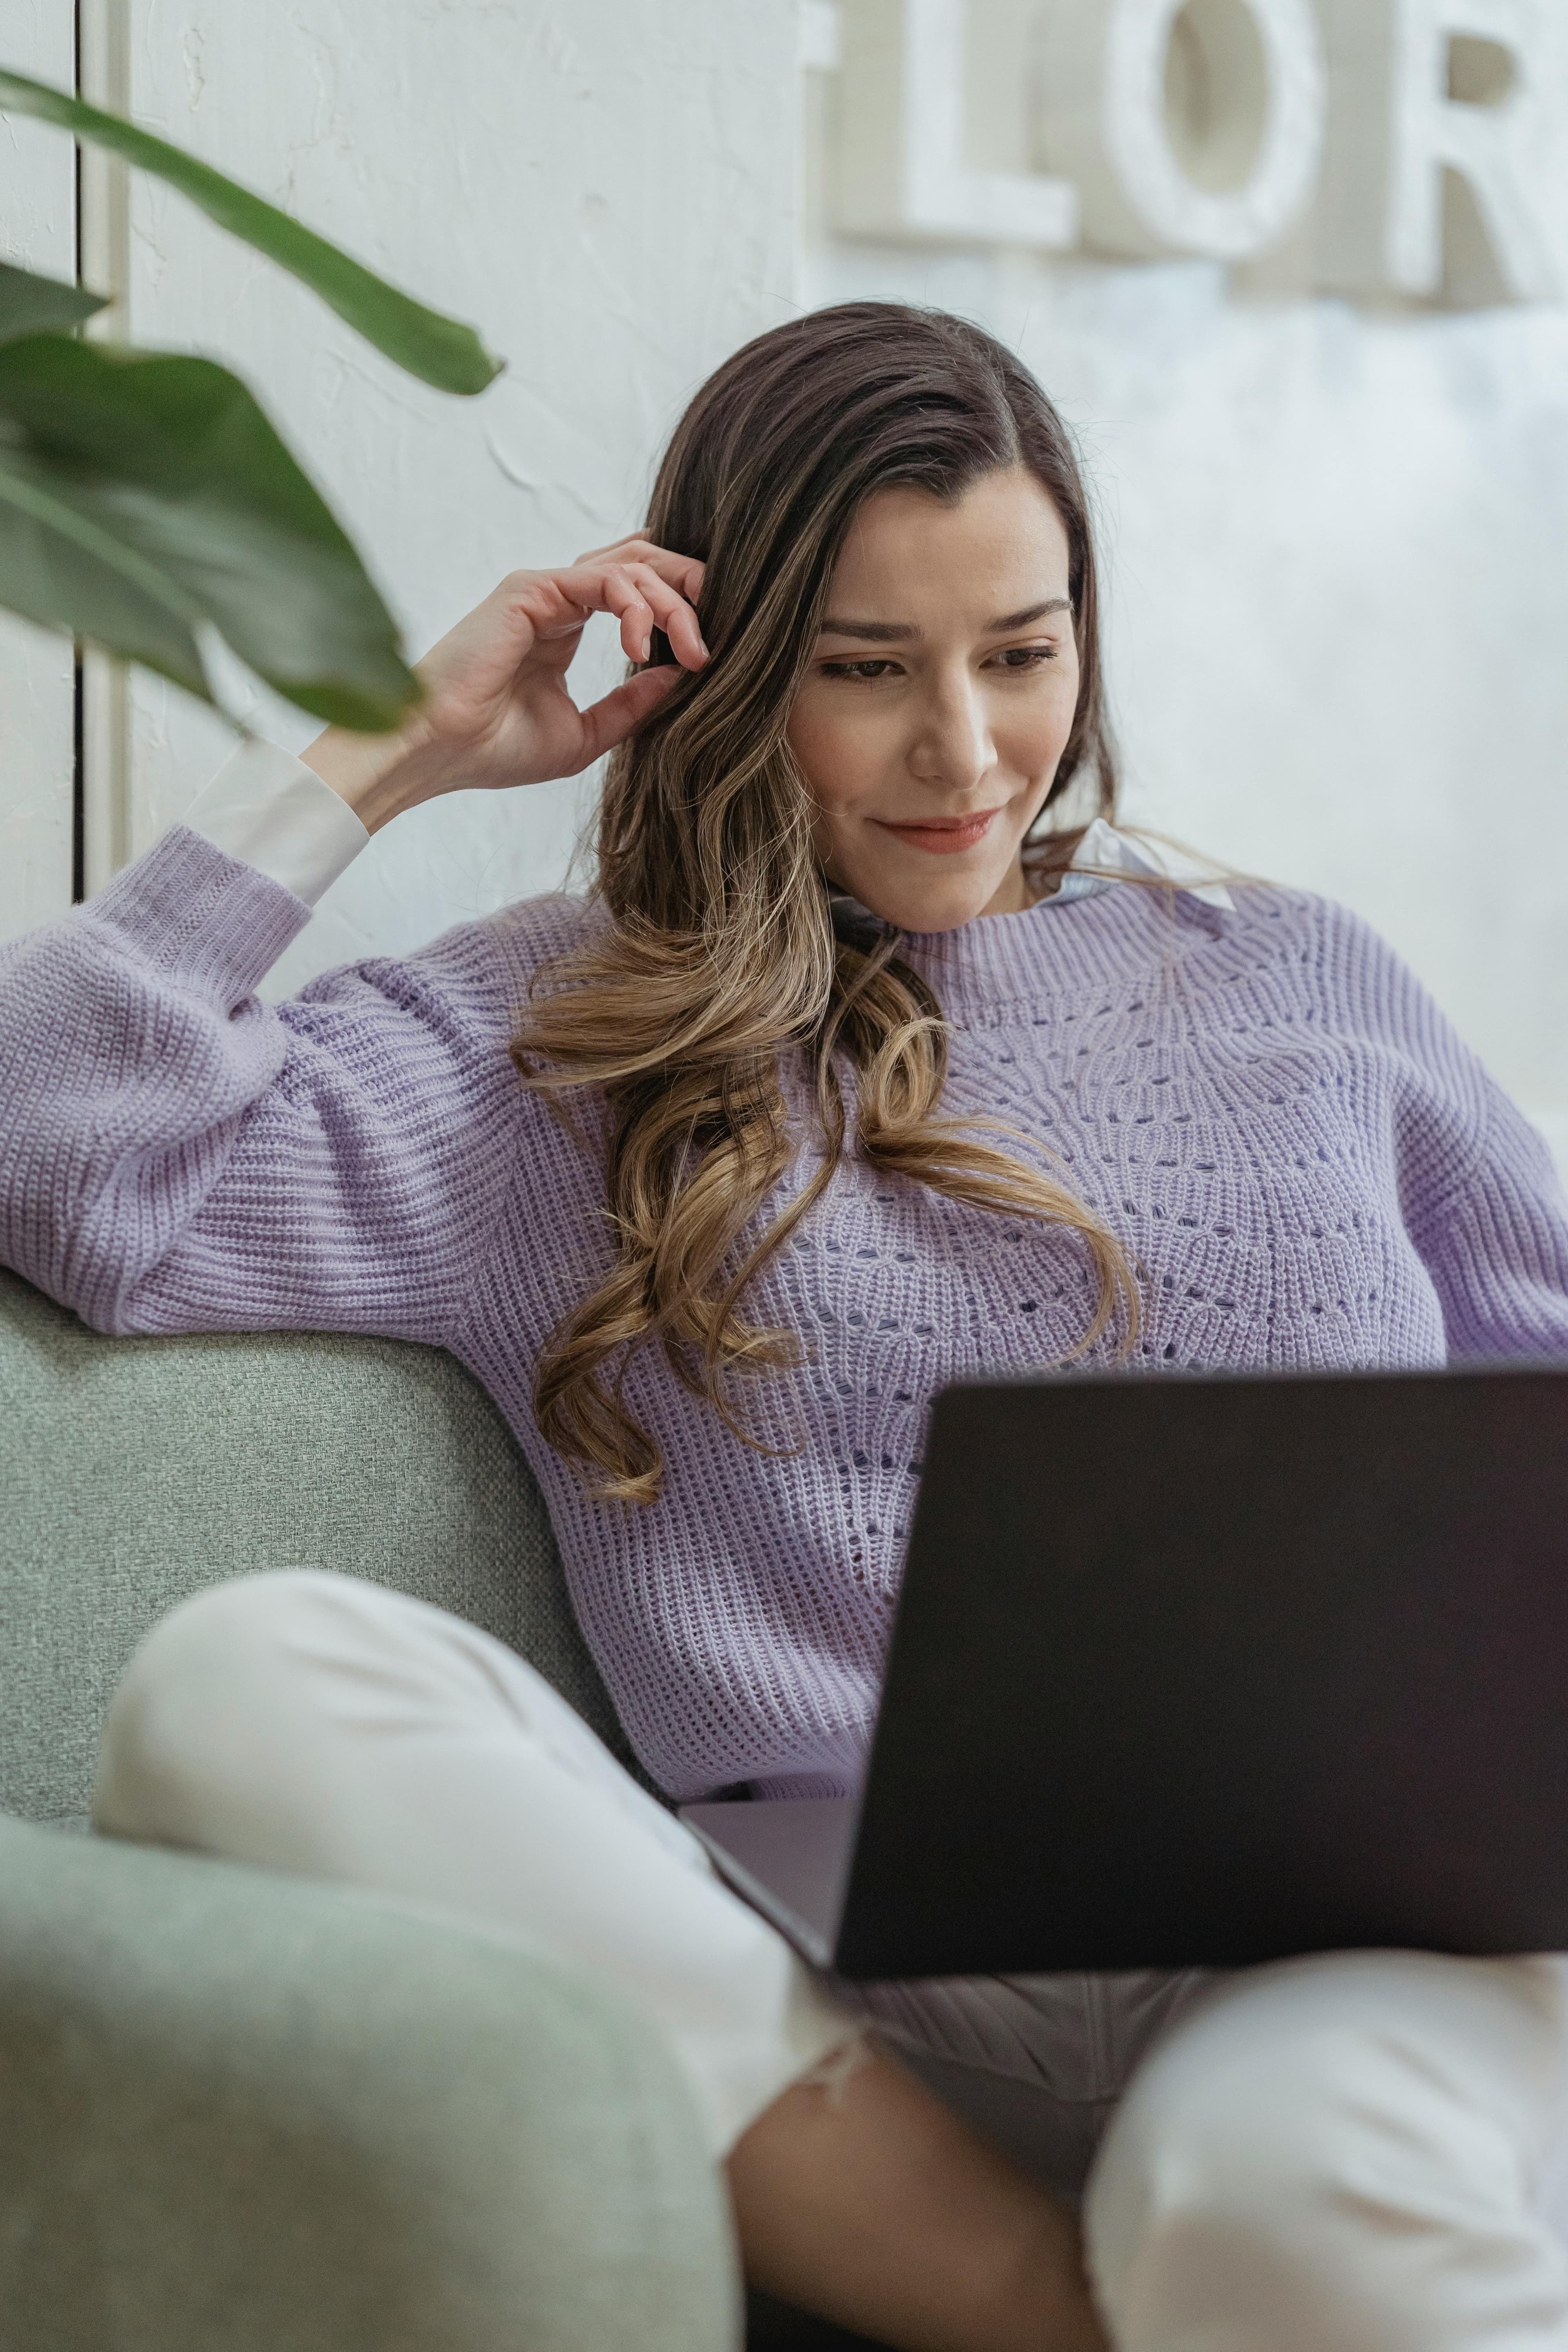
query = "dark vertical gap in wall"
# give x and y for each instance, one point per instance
(78, 731)
(78, 789)
(76, 55)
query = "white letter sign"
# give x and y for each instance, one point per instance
(901, 166)
(1105, 125)
(1430, 135)
(1396, 129)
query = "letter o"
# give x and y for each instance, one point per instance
(1105, 123)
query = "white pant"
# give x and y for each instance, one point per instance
(1343, 2154)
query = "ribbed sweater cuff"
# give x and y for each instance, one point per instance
(192, 911)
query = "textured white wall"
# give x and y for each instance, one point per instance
(38, 229)
(1337, 542)
(604, 185)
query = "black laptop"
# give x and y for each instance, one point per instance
(1205, 1672)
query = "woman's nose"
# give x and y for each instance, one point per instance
(953, 744)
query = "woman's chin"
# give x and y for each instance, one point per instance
(944, 904)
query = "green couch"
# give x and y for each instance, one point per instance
(246, 2113)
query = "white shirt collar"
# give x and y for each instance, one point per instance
(1114, 854)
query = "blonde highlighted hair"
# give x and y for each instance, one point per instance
(722, 974)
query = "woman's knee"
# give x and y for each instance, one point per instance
(269, 1719)
(208, 1696)
(1335, 2154)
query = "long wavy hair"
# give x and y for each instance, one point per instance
(722, 974)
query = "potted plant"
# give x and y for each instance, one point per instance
(145, 498)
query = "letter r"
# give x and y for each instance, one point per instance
(1395, 131)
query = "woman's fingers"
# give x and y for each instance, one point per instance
(643, 585)
(675, 618)
(525, 634)
(641, 599)
(621, 597)
(682, 572)
(607, 722)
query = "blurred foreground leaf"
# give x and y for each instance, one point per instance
(438, 350)
(144, 493)
(30, 305)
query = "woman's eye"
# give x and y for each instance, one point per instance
(1026, 657)
(862, 671)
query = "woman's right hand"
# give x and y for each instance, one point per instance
(497, 711)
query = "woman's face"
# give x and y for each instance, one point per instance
(940, 698)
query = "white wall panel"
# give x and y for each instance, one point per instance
(37, 227)
(605, 186)
(1338, 542)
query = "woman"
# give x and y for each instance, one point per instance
(846, 1081)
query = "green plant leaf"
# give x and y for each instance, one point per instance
(30, 305)
(65, 566)
(439, 349)
(146, 492)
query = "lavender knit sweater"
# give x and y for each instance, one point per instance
(1314, 1171)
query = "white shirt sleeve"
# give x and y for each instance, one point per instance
(268, 809)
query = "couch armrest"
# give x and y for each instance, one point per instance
(244, 2113)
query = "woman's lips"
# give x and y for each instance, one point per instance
(944, 836)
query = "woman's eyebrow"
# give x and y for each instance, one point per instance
(876, 632)
(898, 633)
(1031, 613)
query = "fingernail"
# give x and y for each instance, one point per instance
(703, 650)
(647, 648)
